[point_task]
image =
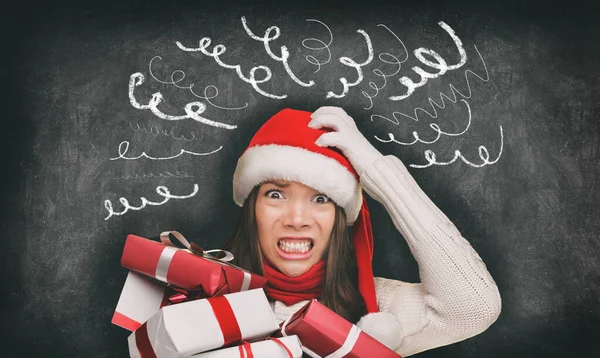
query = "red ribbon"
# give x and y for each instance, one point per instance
(181, 295)
(224, 315)
(143, 342)
(246, 349)
(284, 347)
(226, 318)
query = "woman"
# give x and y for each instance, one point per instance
(305, 226)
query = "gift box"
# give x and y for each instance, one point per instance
(285, 347)
(140, 298)
(198, 275)
(186, 270)
(324, 333)
(198, 326)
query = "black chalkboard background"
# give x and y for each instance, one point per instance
(531, 213)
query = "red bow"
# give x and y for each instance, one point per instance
(181, 295)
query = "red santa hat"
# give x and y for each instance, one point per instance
(284, 148)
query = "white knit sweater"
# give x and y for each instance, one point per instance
(456, 299)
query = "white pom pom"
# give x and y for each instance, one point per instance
(384, 327)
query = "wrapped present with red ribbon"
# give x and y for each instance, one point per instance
(324, 333)
(192, 273)
(189, 269)
(198, 326)
(286, 347)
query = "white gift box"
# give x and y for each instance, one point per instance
(261, 349)
(193, 327)
(140, 298)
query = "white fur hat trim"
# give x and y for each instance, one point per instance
(326, 175)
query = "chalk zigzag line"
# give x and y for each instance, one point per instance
(442, 104)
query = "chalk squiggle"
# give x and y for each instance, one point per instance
(357, 66)
(180, 174)
(285, 54)
(175, 82)
(440, 65)
(192, 109)
(155, 131)
(124, 147)
(220, 49)
(484, 155)
(442, 104)
(380, 73)
(325, 46)
(433, 126)
(160, 190)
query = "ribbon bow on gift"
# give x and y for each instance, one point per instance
(182, 295)
(165, 238)
(165, 258)
(173, 241)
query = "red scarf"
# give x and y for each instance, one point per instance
(290, 290)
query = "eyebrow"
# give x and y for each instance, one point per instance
(278, 184)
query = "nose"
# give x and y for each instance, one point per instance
(298, 215)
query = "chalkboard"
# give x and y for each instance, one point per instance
(129, 118)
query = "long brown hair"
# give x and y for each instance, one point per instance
(339, 291)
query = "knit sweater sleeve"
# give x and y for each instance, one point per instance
(457, 298)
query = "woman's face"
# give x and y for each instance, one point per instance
(294, 225)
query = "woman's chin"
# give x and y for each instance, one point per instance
(292, 269)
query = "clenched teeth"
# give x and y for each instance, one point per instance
(295, 246)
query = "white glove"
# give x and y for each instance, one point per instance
(345, 136)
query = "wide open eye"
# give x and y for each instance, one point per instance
(321, 199)
(274, 194)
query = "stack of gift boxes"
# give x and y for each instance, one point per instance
(186, 303)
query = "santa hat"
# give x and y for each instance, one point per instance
(284, 148)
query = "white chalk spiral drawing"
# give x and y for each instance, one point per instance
(192, 109)
(285, 54)
(430, 156)
(220, 49)
(324, 46)
(484, 155)
(161, 190)
(385, 57)
(432, 66)
(357, 66)
(175, 82)
(440, 65)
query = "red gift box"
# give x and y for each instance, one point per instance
(325, 333)
(186, 270)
